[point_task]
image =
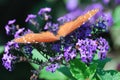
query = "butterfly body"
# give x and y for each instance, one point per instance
(63, 31)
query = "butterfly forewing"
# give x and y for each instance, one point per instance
(64, 30)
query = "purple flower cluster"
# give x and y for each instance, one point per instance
(53, 27)
(52, 67)
(69, 17)
(103, 47)
(10, 27)
(30, 17)
(106, 15)
(67, 47)
(56, 47)
(83, 32)
(7, 61)
(89, 47)
(69, 53)
(43, 13)
(8, 57)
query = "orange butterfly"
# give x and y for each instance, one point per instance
(64, 30)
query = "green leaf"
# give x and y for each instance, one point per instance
(66, 72)
(96, 57)
(81, 71)
(1, 49)
(77, 69)
(45, 74)
(38, 55)
(109, 75)
(92, 69)
(116, 76)
(101, 63)
(57, 75)
(116, 15)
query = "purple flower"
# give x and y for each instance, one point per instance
(44, 10)
(29, 17)
(10, 45)
(11, 21)
(69, 53)
(19, 32)
(117, 1)
(43, 13)
(7, 28)
(106, 1)
(47, 25)
(103, 47)
(71, 4)
(83, 32)
(57, 58)
(108, 17)
(52, 67)
(100, 25)
(53, 27)
(87, 49)
(27, 31)
(56, 47)
(69, 17)
(10, 28)
(28, 49)
(7, 61)
(7, 48)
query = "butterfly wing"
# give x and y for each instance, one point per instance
(72, 25)
(37, 37)
(64, 30)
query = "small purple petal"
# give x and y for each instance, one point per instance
(7, 28)
(17, 34)
(30, 16)
(44, 10)
(11, 21)
(52, 67)
(47, 25)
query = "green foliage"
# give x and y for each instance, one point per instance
(116, 15)
(45, 74)
(57, 75)
(1, 49)
(101, 63)
(109, 75)
(115, 30)
(38, 55)
(66, 72)
(81, 71)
